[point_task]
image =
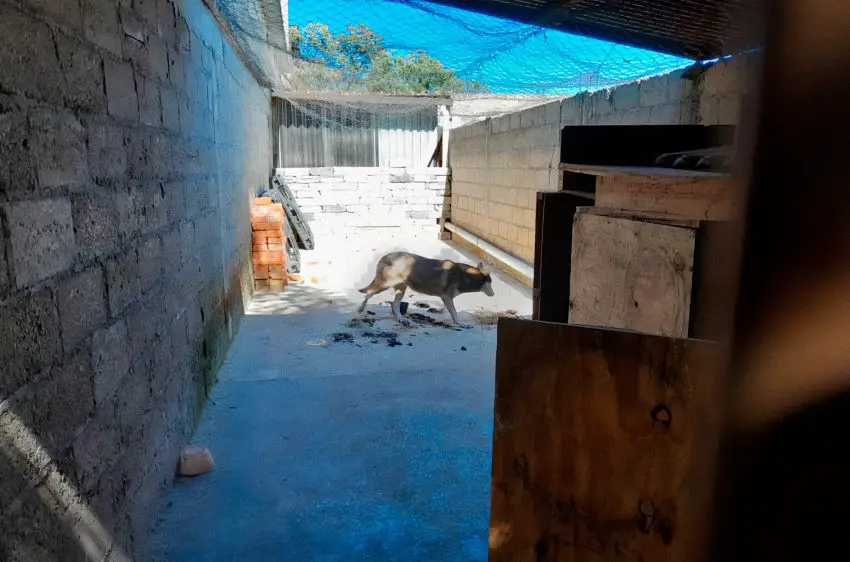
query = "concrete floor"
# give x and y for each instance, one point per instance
(354, 450)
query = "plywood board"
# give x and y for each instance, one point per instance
(702, 197)
(631, 274)
(603, 443)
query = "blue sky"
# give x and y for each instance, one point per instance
(510, 57)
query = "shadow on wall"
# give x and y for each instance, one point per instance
(49, 519)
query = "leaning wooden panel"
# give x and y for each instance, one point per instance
(603, 444)
(631, 274)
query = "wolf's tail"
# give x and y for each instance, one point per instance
(374, 286)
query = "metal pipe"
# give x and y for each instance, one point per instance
(521, 267)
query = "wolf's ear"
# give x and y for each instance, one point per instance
(480, 265)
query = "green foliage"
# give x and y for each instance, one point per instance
(358, 61)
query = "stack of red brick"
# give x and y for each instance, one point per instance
(269, 245)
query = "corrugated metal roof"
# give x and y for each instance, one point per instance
(696, 29)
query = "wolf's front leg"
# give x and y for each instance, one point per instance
(450, 306)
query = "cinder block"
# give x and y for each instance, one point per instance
(150, 111)
(110, 361)
(4, 268)
(170, 109)
(83, 73)
(151, 257)
(107, 157)
(61, 404)
(121, 98)
(95, 220)
(65, 14)
(17, 174)
(669, 114)
(626, 96)
(28, 61)
(654, 91)
(30, 338)
(158, 54)
(101, 26)
(82, 305)
(123, 282)
(59, 148)
(41, 239)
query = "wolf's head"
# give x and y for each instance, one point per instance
(481, 276)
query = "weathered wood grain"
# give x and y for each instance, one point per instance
(592, 427)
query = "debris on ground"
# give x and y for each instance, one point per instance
(436, 310)
(424, 319)
(463, 348)
(421, 305)
(489, 317)
(343, 336)
(195, 461)
(318, 343)
(357, 322)
(390, 337)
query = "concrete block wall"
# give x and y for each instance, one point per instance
(499, 164)
(132, 138)
(344, 201)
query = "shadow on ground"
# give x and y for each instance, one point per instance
(341, 447)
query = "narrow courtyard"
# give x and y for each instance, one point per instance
(338, 437)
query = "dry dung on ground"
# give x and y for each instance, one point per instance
(491, 318)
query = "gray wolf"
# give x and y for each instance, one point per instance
(437, 278)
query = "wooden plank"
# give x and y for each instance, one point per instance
(688, 196)
(657, 218)
(553, 233)
(592, 428)
(631, 274)
(640, 171)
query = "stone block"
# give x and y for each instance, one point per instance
(95, 450)
(4, 268)
(654, 91)
(150, 111)
(30, 520)
(668, 114)
(65, 14)
(107, 156)
(176, 72)
(123, 282)
(82, 68)
(150, 262)
(28, 61)
(110, 361)
(170, 109)
(95, 219)
(30, 339)
(82, 305)
(60, 404)
(187, 117)
(158, 53)
(626, 96)
(139, 151)
(101, 25)
(166, 22)
(58, 147)
(121, 99)
(41, 239)
(17, 174)
(134, 40)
